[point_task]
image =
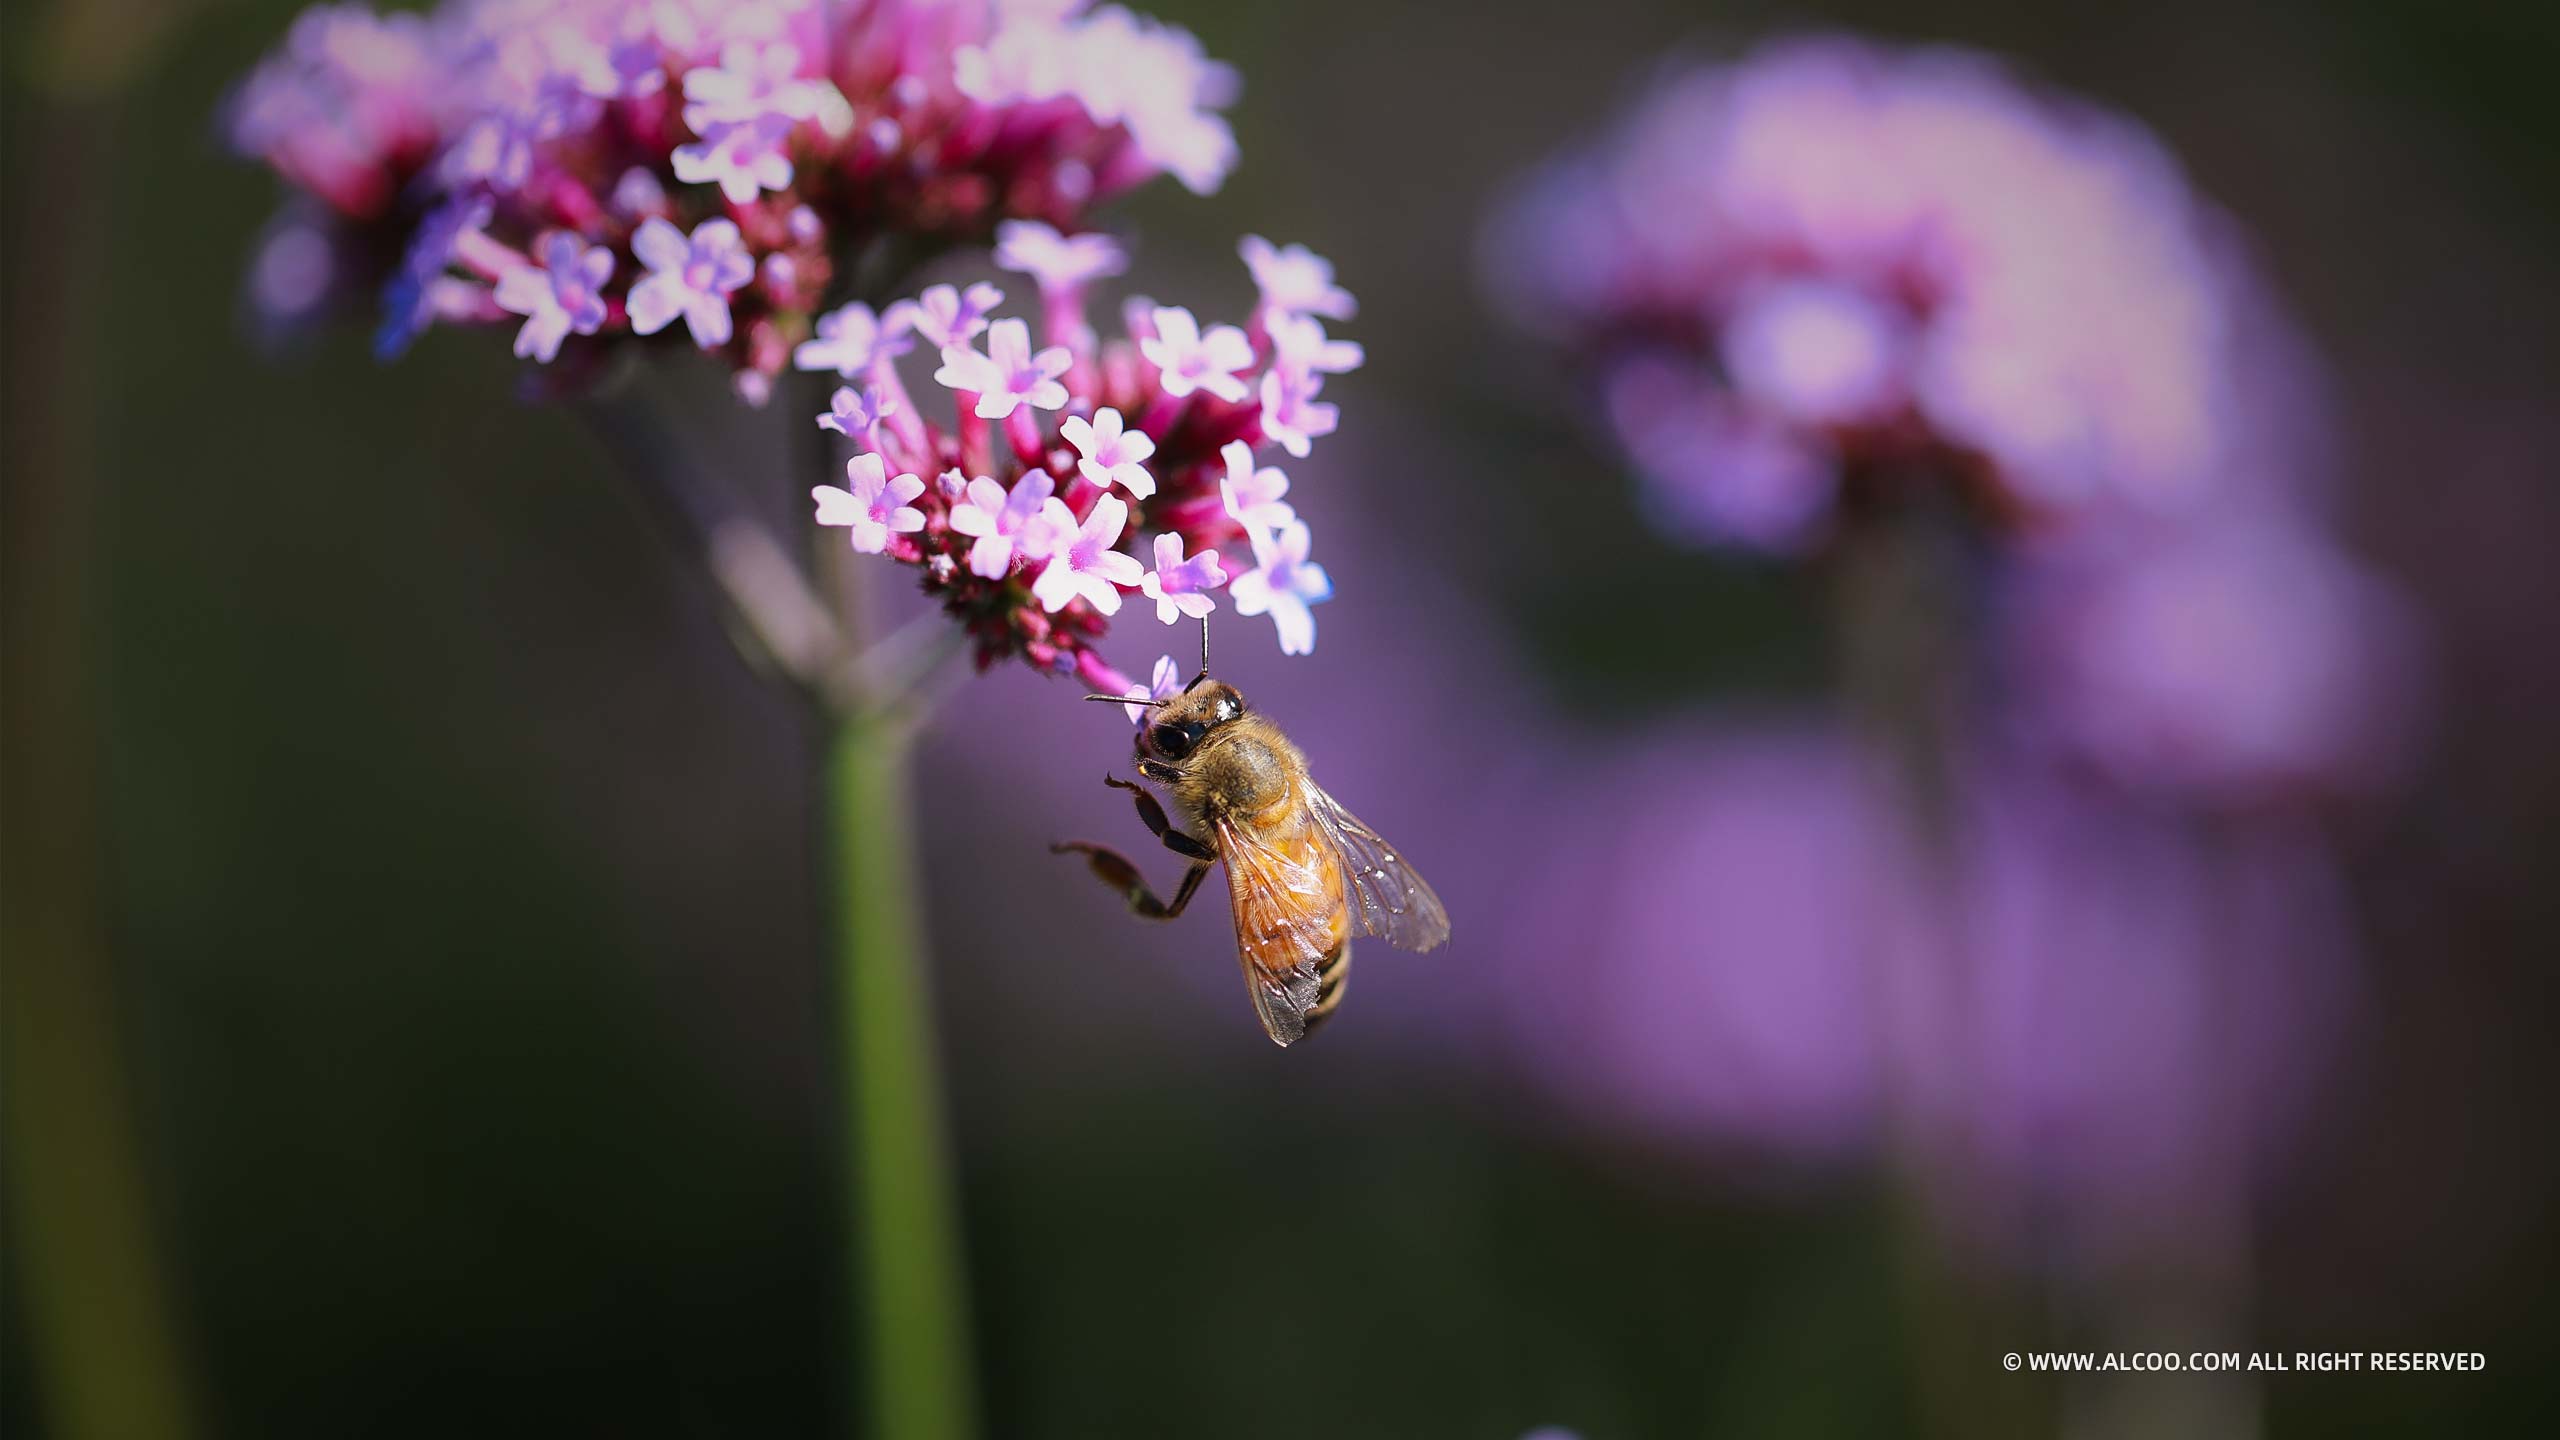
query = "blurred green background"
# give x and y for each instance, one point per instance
(458, 913)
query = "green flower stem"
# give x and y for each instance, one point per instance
(1908, 624)
(907, 1280)
(108, 1353)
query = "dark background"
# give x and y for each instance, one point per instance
(461, 895)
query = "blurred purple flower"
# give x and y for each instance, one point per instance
(408, 302)
(566, 294)
(851, 339)
(1860, 261)
(2135, 998)
(744, 158)
(946, 315)
(2243, 665)
(689, 276)
(1055, 261)
(1295, 280)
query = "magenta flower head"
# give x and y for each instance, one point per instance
(591, 172)
(1068, 458)
(1834, 275)
(829, 137)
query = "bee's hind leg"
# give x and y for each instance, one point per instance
(1117, 871)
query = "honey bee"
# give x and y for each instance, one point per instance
(1303, 876)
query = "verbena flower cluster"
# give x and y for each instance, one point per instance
(1023, 507)
(1833, 284)
(609, 168)
(1832, 267)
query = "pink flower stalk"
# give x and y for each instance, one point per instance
(1833, 274)
(822, 132)
(1035, 545)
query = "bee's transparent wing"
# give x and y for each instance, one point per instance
(1285, 926)
(1386, 898)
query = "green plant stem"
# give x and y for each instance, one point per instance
(109, 1357)
(1907, 632)
(908, 1279)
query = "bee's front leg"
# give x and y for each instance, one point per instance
(1151, 815)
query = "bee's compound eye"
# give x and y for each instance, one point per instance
(1172, 741)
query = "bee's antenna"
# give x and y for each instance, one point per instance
(1204, 654)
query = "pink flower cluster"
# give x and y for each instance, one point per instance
(1833, 267)
(1025, 510)
(608, 167)
(1834, 286)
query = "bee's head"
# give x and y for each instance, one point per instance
(1175, 727)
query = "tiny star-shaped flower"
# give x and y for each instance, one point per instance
(1007, 526)
(1084, 564)
(945, 315)
(1291, 414)
(565, 294)
(1009, 374)
(1179, 586)
(744, 158)
(1054, 261)
(750, 83)
(1189, 360)
(1112, 453)
(851, 337)
(1253, 496)
(1284, 583)
(1295, 280)
(875, 508)
(692, 277)
(1164, 684)
(856, 414)
(1299, 342)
